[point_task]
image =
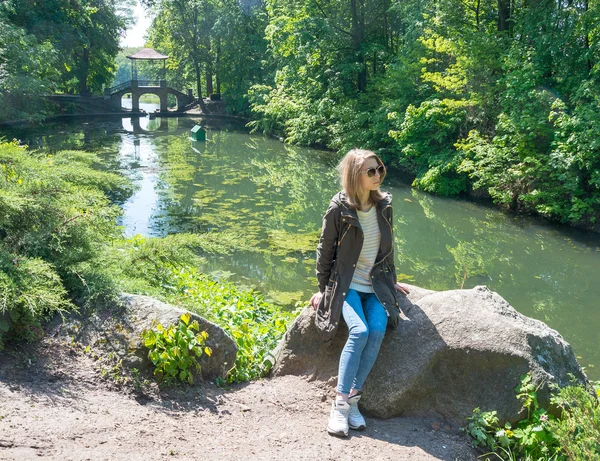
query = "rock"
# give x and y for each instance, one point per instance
(452, 352)
(118, 330)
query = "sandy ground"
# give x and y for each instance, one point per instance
(55, 403)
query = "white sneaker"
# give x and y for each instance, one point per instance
(338, 419)
(355, 419)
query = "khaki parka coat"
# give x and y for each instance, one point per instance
(337, 254)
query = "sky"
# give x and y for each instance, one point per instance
(134, 37)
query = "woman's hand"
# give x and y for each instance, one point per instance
(316, 299)
(401, 288)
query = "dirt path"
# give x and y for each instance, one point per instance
(54, 404)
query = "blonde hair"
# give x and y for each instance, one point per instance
(350, 168)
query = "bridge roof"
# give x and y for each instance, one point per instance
(148, 53)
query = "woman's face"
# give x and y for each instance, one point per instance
(366, 183)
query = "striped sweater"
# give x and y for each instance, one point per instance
(370, 226)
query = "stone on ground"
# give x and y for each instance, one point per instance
(118, 330)
(452, 352)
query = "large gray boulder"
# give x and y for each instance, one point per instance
(117, 330)
(452, 352)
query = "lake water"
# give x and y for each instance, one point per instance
(273, 196)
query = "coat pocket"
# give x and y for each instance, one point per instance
(323, 318)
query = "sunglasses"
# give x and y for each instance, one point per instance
(371, 171)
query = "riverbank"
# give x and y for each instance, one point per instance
(56, 404)
(115, 115)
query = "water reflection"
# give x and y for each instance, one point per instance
(145, 124)
(273, 196)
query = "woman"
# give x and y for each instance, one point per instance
(357, 279)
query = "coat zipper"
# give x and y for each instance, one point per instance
(340, 240)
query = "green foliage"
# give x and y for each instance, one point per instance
(255, 325)
(146, 265)
(55, 219)
(66, 46)
(164, 268)
(578, 429)
(426, 135)
(27, 69)
(497, 98)
(30, 290)
(479, 425)
(214, 46)
(541, 436)
(175, 350)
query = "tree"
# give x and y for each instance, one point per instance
(27, 68)
(84, 33)
(182, 29)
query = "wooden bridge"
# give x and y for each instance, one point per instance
(157, 87)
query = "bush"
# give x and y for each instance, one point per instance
(426, 136)
(165, 268)
(55, 219)
(174, 350)
(578, 429)
(574, 436)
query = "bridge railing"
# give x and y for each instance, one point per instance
(117, 88)
(149, 83)
(142, 84)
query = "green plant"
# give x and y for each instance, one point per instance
(174, 350)
(531, 438)
(164, 268)
(55, 219)
(574, 436)
(478, 427)
(254, 324)
(578, 429)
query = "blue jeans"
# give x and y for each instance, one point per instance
(367, 320)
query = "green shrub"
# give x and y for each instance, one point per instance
(540, 436)
(426, 137)
(578, 429)
(55, 220)
(165, 268)
(255, 325)
(175, 350)
(30, 291)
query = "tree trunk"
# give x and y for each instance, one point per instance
(209, 70)
(209, 81)
(199, 87)
(587, 41)
(218, 66)
(503, 15)
(84, 70)
(358, 23)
